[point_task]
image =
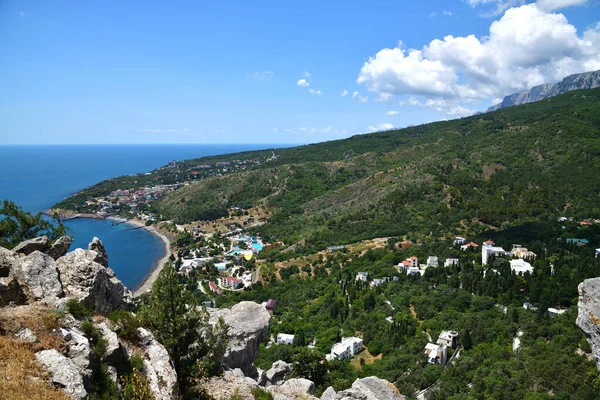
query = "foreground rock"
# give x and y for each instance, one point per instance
(27, 247)
(588, 318)
(37, 276)
(158, 367)
(91, 283)
(60, 247)
(100, 256)
(278, 372)
(64, 372)
(376, 389)
(297, 387)
(248, 326)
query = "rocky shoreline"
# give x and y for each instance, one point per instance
(153, 274)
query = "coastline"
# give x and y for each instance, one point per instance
(146, 284)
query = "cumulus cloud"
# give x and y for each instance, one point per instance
(526, 47)
(303, 83)
(357, 98)
(384, 126)
(392, 112)
(344, 93)
(442, 14)
(314, 92)
(261, 76)
(384, 98)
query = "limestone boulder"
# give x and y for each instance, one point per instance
(297, 387)
(91, 283)
(248, 324)
(158, 367)
(40, 243)
(37, 276)
(63, 371)
(112, 354)
(27, 335)
(278, 372)
(329, 394)
(97, 246)
(588, 317)
(80, 352)
(7, 258)
(375, 388)
(60, 247)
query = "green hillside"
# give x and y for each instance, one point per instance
(535, 161)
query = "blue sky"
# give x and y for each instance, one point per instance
(273, 71)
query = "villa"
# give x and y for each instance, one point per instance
(520, 267)
(362, 276)
(451, 262)
(284, 338)
(347, 348)
(488, 250)
(432, 262)
(231, 282)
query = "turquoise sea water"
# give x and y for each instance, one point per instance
(36, 177)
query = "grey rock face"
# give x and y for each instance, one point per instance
(91, 283)
(112, 353)
(40, 243)
(588, 317)
(279, 370)
(37, 275)
(80, 353)
(27, 335)
(64, 372)
(248, 325)
(11, 292)
(101, 256)
(586, 80)
(60, 247)
(329, 394)
(158, 368)
(376, 389)
(297, 386)
(7, 258)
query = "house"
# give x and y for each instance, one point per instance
(459, 240)
(467, 246)
(521, 252)
(231, 282)
(413, 271)
(404, 266)
(597, 253)
(448, 338)
(284, 338)
(488, 250)
(362, 276)
(270, 305)
(378, 281)
(528, 306)
(347, 348)
(436, 353)
(451, 262)
(208, 304)
(331, 249)
(432, 261)
(554, 312)
(213, 287)
(414, 261)
(520, 267)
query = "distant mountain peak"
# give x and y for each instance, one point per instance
(585, 80)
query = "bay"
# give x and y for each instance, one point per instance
(37, 177)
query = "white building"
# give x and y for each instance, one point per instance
(362, 276)
(451, 262)
(459, 240)
(448, 338)
(413, 271)
(555, 312)
(488, 250)
(432, 261)
(436, 353)
(285, 338)
(597, 252)
(520, 267)
(347, 348)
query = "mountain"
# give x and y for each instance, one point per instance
(586, 80)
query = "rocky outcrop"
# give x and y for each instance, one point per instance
(297, 387)
(37, 276)
(112, 352)
(60, 247)
(586, 80)
(63, 371)
(278, 372)
(7, 258)
(80, 352)
(158, 367)
(40, 243)
(97, 246)
(91, 283)
(375, 388)
(248, 324)
(588, 317)
(27, 335)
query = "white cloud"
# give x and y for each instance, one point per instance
(442, 14)
(499, 6)
(526, 47)
(357, 98)
(275, 130)
(306, 74)
(392, 112)
(384, 126)
(384, 98)
(261, 76)
(303, 83)
(344, 93)
(549, 5)
(314, 92)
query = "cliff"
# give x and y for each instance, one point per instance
(586, 80)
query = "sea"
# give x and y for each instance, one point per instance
(38, 176)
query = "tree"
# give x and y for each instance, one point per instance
(310, 364)
(182, 327)
(17, 225)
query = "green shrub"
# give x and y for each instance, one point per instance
(127, 323)
(261, 394)
(78, 310)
